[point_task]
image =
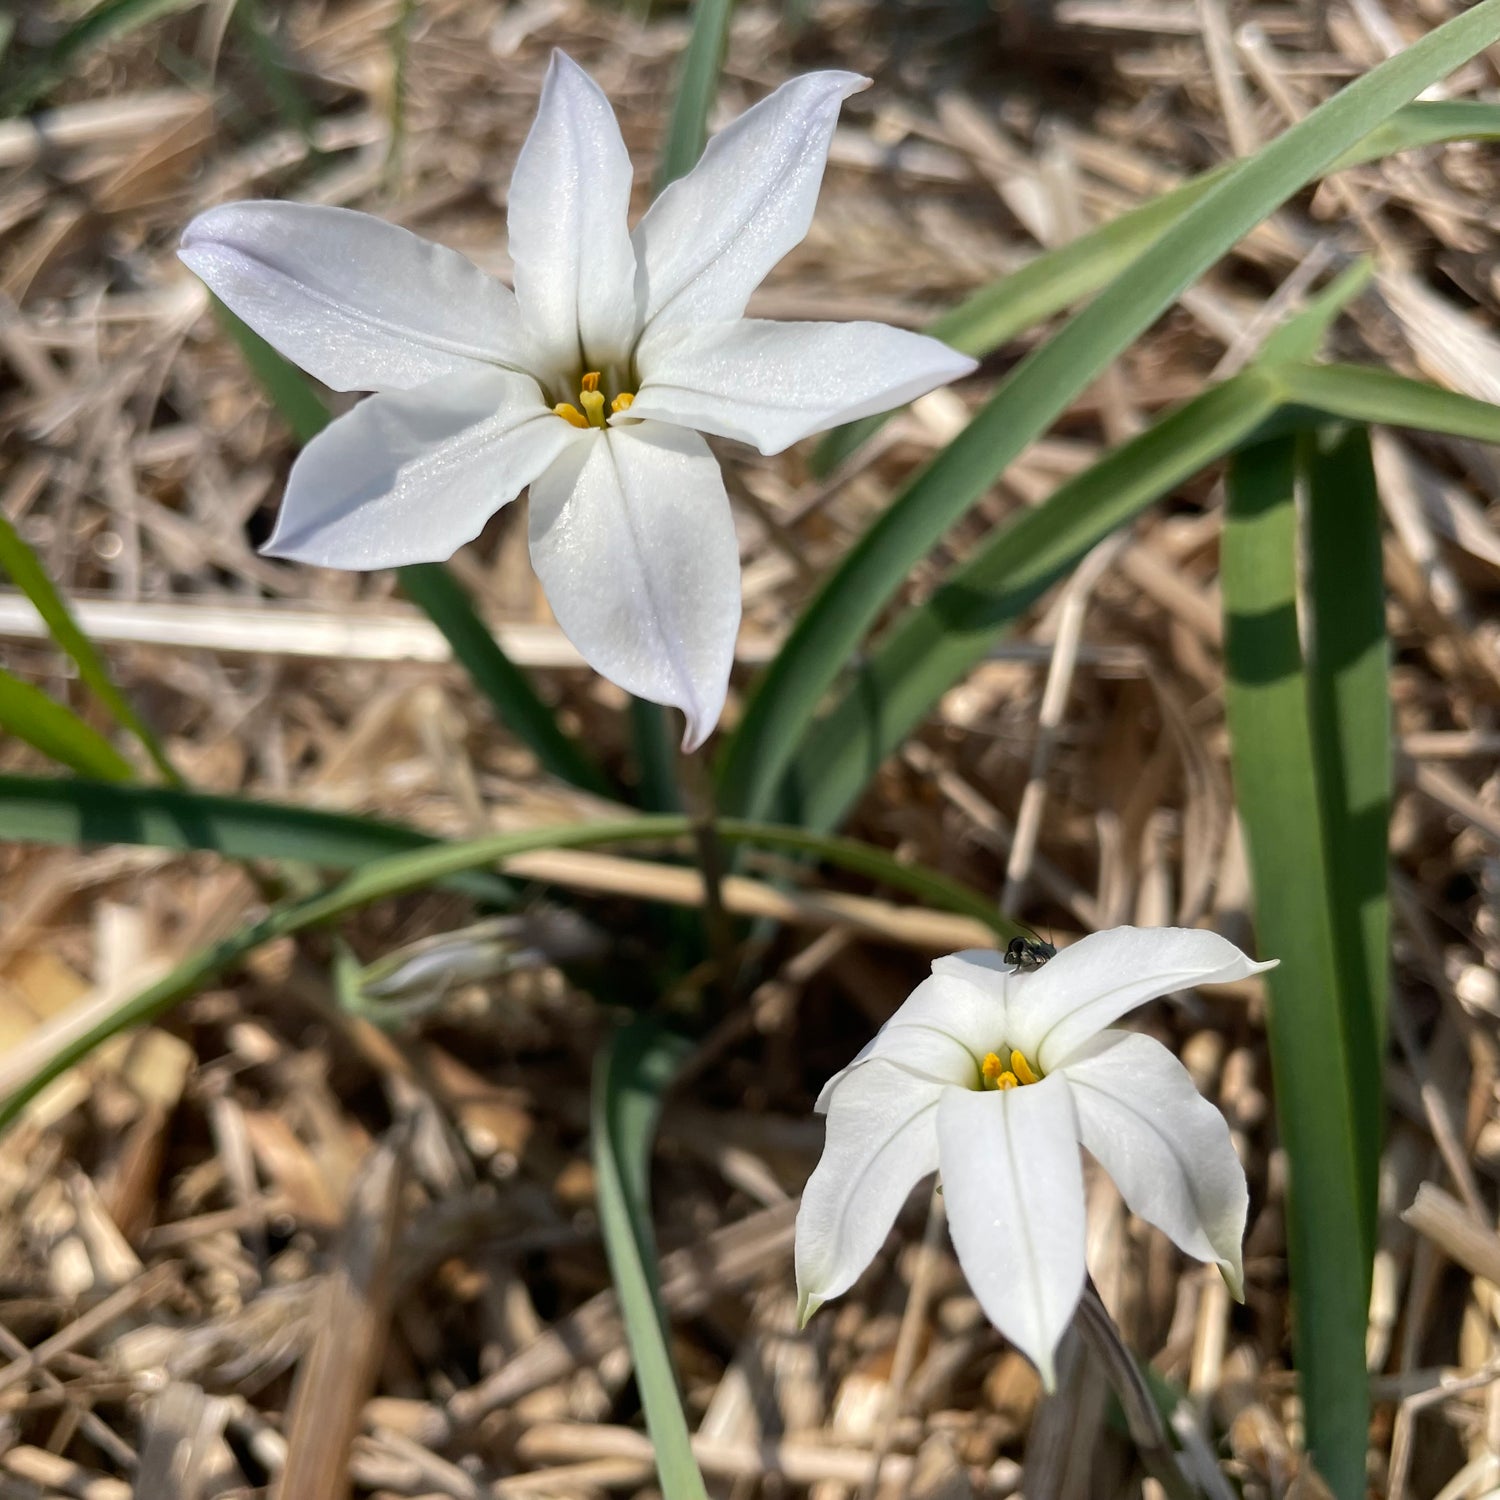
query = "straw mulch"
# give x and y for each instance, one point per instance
(267, 1244)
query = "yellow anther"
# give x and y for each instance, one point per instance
(1007, 1080)
(593, 403)
(591, 381)
(570, 413)
(991, 1068)
(623, 402)
(1021, 1068)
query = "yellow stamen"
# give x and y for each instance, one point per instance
(1021, 1068)
(1007, 1080)
(991, 1068)
(570, 413)
(592, 403)
(623, 402)
(591, 381)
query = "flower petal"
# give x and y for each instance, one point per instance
(1013, 1187)
(569, 201)
(633, 540)
(1167, 1148)
(709, 239)
(943, 1029)
(881, 1141)
(771, 384)
(410, 476)
(361, 304)
(1095, 981)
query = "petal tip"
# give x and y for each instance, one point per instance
(807, 1305)
(1234, 1278)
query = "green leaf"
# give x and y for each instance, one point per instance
(54, 729)
(1362, 394)
(439, 863)
(515, 701)
(688, 129)
(28, 575)
(632, 1070)
(66, 811)
(1349, 709)
(1276, 763)
(1056, 279)
(1301, 336)
(1043, 386)
(935, 644)
(47, 810)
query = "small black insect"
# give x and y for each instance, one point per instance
(1028, 953)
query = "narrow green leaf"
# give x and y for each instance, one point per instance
(688, 128)
(515, 701)
(1348, 701)
(28, 575)
(439, 863)
(655, 757)
(633, 1068)
(1301, 336)
(933, 645)
(67, 811)
(1358, 393)
(1057, 279)
(1276, 788)
(54, 729)
(1042, 387)
(47, 810)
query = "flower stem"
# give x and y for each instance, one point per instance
(1147, 1429)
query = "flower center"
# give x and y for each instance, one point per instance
(995, 1074)
(592, 400)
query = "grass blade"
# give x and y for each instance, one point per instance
(28, 575)
(48, 810)
(515, 701)
(54, 729)
(631, 1072)
(439, 863)
(1301, 336)
(67, 811)
(932, 646)
(1277, 790)
(1042, 387)
(1348, 702)
(1057, 279)
(688, 129)
(1358, 393)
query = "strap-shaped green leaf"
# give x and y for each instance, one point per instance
(632, 1069)
(28, 575)
(54, 729)
(1319, 1040)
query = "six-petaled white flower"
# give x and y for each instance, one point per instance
(992, 1076)
(590, 383)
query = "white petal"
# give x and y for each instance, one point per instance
(771, 384)
(632, 538)
(1165, 1145)
(410, 476)
(1095, 981)
(709, 239)
(361, 304)
(1013, 1188)
(943, 1029)
(569, 201)
(881, 1141)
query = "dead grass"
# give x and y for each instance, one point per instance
(268, 1244)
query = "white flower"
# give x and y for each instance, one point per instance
(992, 1076)
(587, 383)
